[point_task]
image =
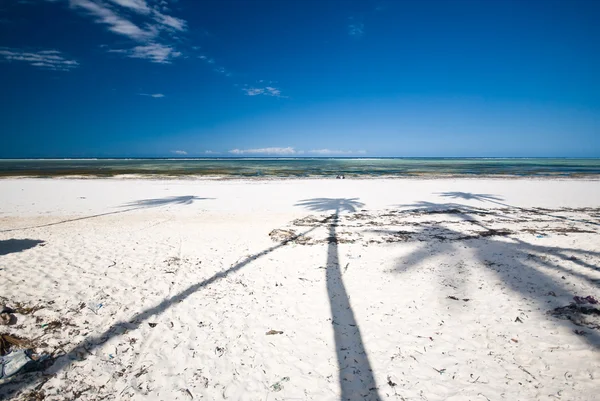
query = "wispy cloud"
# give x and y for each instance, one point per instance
(155, 33)
(118, 23)
(155, 52)
(264, 151)
(44, 59)
(177, 24)
(154, 95)
(139, 6)
(179, 152)
(207, 59)
(216, 68)
(266, 91)
(356, 29)
(164, 5)
(115, 22)
(336, 152)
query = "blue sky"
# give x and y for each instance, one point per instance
(164, 78)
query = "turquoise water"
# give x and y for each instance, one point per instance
(302, 167)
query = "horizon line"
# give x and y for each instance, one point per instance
(289, 157)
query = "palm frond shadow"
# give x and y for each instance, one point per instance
(469, 214)
(499, 201)
(356, 378)
(465, 212)
(331, 205)
(131, 206)
(170, 200)
(523, 256)
(471, 196)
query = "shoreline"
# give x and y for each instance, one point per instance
(195, 177)
(294, 168)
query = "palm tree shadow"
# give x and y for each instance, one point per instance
(499, 201)
(522, 256)
(462, 211)
(468, 214)
(131, 206)
(355, 373)
(472, 196)
(17, 245)
(170, 200)
(90, 343)
(337, 205)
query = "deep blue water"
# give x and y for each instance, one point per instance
(303, 167)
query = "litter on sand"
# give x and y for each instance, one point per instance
(273, 332)
(278, 386)
(7, 319)
(17, 361)
(7, 341)
(457, 299)
(580, 315)
(585, 300)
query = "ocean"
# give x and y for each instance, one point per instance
(301, 167)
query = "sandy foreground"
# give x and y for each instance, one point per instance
(405, 289)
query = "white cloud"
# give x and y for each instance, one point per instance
(207, 59)
(254, 91)
(139, 6)
(210, 152)
(264, 151)
(272, 91)
(155, 52)
(167, 21)
(157, 26)
(179, 152)
(154, 95)
(356, 30)
(216, 68)
(115, 22)
(266, 91)
(164, 5)
(45, 59)
(336, 152)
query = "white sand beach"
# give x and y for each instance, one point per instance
(308, 289)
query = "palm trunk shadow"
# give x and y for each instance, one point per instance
(90, 343)
(355, 372)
